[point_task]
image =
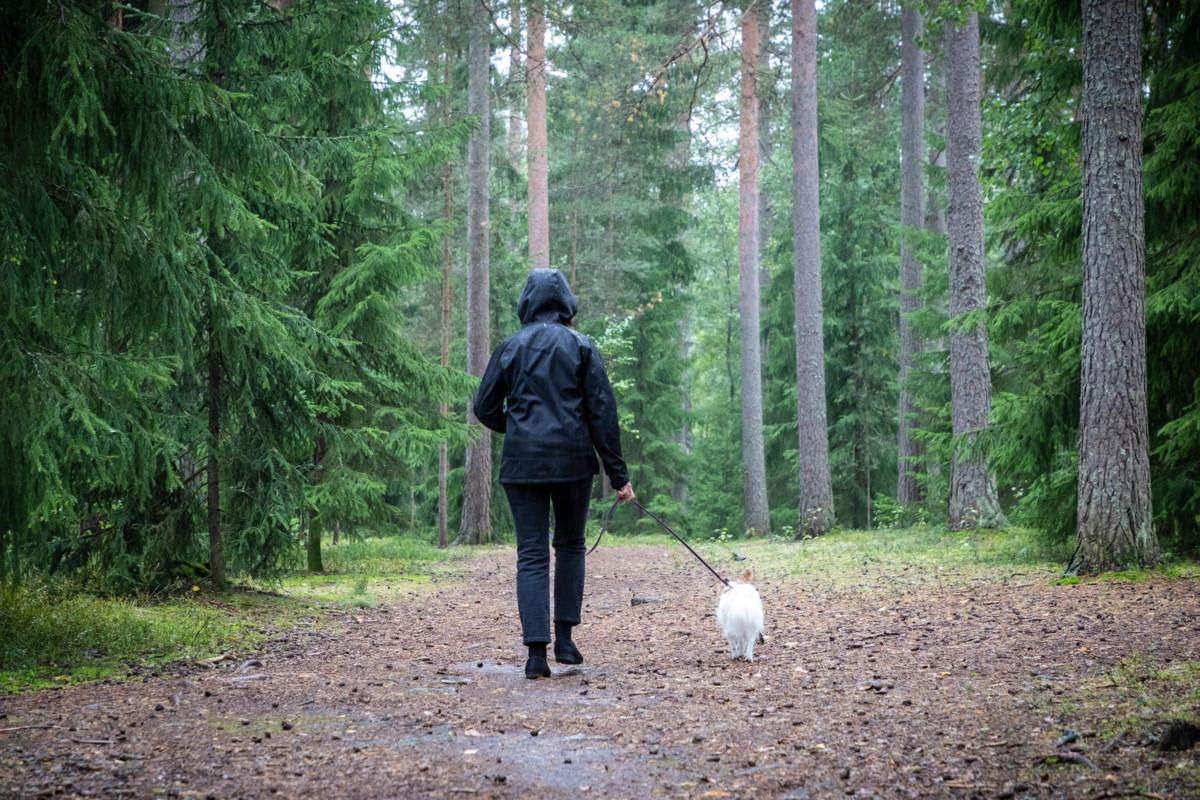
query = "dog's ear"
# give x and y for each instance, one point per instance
(747, 576)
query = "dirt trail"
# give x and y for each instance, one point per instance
(929, 691)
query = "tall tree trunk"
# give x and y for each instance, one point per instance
(514, 69)
(912, 166)
(816, 486)
(476, 526)
(753, 458)
(316, 523)
(935, 213)
(447, 310)
(765, 89)
(1115, 525)
(973, 502)
(539, 170)
(313, 544)
(216, 553)
(574, 252)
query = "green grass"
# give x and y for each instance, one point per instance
(365, 572)
(53, 638)
(870, 560)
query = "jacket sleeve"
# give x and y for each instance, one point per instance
(602, 417)
(489, 398)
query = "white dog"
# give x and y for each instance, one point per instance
(740, 615)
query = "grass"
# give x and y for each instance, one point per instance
(365, 572)
(1140, 692)
(51, 640)
(869, 560)
(55, 638)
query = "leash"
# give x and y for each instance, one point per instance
(608, 520)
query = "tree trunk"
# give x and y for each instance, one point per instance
(316, 523)
(216, 554)
(816, 487)
(539, 170)
(765, 89)
(1115, 528)
(680, 489)
(476, 526)
(757, 519)
(973, 502)
(574, 253)
(447, 308)
(514, 69)
(313, 544)
(912, 165)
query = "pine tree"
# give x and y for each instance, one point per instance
(476, 527)
(973, 501)
(538, 147)
(908, 448)
(816, 492)
(1114, 521)
(757, 517)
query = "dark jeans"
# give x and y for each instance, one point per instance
(530, 504)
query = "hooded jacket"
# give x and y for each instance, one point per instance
(546, 390)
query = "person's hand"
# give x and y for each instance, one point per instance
(625, 493)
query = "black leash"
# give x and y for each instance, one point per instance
(608, 520)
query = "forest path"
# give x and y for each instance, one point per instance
(954, 688)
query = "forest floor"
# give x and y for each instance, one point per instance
(877, 678)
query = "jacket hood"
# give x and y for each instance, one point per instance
(546, 298)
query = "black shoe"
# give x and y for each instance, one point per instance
(536, 667)
(565, 652)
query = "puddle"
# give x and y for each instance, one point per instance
(512, 669)
(558, 763)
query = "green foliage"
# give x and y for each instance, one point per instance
(224, 185)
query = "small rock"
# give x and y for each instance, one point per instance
(1178, 734)
(158, 707)
(643, 599)
(844, 774)
(287, 726)
(1067, 737)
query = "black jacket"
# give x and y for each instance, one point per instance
(546, 390)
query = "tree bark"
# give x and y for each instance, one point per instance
(476, 525)
(757, 518)
(312, 544)
(912, 165)
(816, 486)
(316, 523)
(765, 92)
(216, 553)
(514, 69)
(1115, 528)
(973, 502)
(539, 170)
(447, 311)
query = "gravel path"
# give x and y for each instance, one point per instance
(953, 690)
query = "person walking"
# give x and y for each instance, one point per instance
(546, 390)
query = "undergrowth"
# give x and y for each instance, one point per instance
(52, 634)
(49, 638)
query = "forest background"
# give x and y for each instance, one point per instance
(235, 303)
